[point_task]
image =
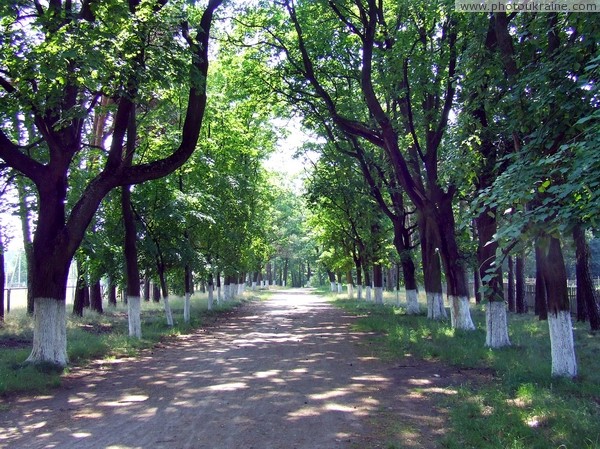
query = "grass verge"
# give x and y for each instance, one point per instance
(95, 336)
(523, 407)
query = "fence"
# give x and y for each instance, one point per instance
(571, 290)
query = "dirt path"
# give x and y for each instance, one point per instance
(287, 373)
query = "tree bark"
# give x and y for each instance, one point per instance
(541, 304)
(378, 283)
(111, 293)
(512, 306)
(491, 274)
(96, 297)
(285, 271)
(27, 242)
(521, 305)
(350, 284)
(587, 297)
(432, 270)
(132, 273)
(564, 363)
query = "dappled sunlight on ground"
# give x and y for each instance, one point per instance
(286, 373)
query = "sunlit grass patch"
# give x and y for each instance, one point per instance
(522, 406)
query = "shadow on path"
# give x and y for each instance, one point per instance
(285, 373)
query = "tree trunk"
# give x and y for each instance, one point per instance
(155, 292)
(359, 280)
(587, 297)
(219, 292)
(146, 288)
(350, 284)
(331, 276)
(49, 285)
(402, 245)
(512, 307)
(270, 273)
(27, 242)
(132, 273)
(211, 288)
(111, 293)
(187, 280)
(564, 363)
(96, 297)
(541, 307)
(378, 283)
(285, 271)
(476, 286)
(80, 288)
(456, 278)
(491, 275)
(520, 303)
(432, 270)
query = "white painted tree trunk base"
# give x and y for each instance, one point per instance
(378, 295)
(460, 313)
(412, 302)
(368, 294)
(211, 296)
(435, 306)
(496, 325)
(359, 292)
(253, 286)
(350, 291)
(340, 288)
(564, 362)
(134, 316)
(187, 304)
(49, 332)
(332, 286)
(168, 312)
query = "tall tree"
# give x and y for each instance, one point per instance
(57, 62)
(348, 70)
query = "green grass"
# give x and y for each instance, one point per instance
(94, 336)
(522, 406)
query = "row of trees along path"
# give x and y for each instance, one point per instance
(404, 101)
